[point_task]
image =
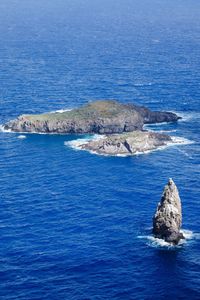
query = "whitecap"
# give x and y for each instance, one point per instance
(21, 137)
(143, 84)
(156, 41)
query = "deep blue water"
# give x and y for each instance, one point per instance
(75, 225)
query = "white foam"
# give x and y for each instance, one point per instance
(188, 234)
(176, 141)
(149, 126)
(60, 111)
(155, 242)
(2, 129)
(167, 131)
(187, 116)
(21, 137)
(77, 144)
(181, 141)
(159, 242)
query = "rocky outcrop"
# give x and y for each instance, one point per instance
(102, 117)
(126, 143)
(151, 117)
(168, 217)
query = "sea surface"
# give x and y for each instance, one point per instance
(75, 225)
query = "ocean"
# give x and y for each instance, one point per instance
(76, 225)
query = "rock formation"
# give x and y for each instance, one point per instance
(168, 217)
(127, 143)
(102, 117)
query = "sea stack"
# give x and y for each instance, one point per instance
(168, 217)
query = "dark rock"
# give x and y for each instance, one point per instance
(151, 117)
(174, 237)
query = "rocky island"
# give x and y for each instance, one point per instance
(101, 117)
(168, 217)
(127, 143)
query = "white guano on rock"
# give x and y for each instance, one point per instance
(167, 220)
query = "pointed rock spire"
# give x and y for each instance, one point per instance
(167, 220)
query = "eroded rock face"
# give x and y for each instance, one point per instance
(151, 117)
(102, 117)
(127, 143)
(168, 217)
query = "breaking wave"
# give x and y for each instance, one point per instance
(160, 243)
(77, 144)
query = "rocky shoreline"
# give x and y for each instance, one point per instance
(126, 144)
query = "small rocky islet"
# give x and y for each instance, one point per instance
(121, 124)
(167, 220)
(126, 144)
